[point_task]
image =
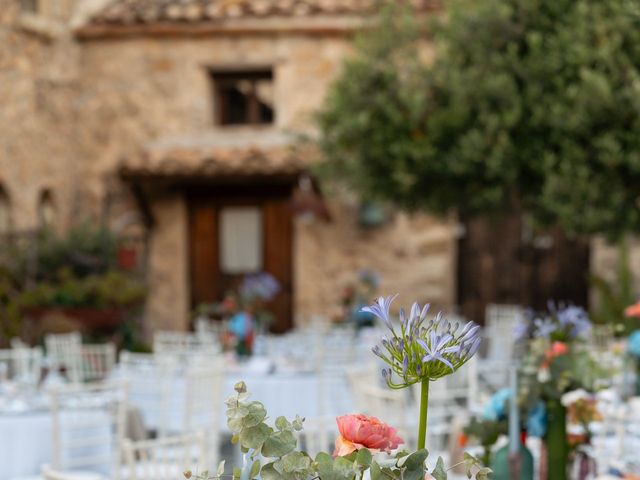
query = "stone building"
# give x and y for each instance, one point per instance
(183, 119)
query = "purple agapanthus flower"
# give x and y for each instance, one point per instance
(419, 349)
(574, 320)
(437, 347)
(262, 286)
(381, 309)
(544, 328)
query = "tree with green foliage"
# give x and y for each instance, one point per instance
(533, 104)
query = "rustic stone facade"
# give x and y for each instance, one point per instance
(75, 108)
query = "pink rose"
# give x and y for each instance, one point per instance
(360, 431)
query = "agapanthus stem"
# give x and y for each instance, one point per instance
(424, 407)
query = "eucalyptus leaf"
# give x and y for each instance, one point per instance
(439, 472)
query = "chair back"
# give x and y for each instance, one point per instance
(88, 427)
(21, 365)
(97, 361)
(64, 350)
(204, 402)
(152, 385)
(165, 458)
(500, 321)
(184, 342)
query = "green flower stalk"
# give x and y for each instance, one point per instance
(421, 351)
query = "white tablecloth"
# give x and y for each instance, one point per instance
(26, 443)
(283, 394)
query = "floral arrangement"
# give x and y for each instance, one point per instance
(581, 411)
(561, 324)
(417, 350)
(354, 298)
(246, 311)
(555, 361)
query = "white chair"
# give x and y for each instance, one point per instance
(22, 365)
(63, 350)
(83, 363)
(88, 428)
(152, 384)
(203, 404)
(184, 342)
(164, 458)
(49, 474)
(500, 322)
(96, 361)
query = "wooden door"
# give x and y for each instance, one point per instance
(209, 280)
(499, 262)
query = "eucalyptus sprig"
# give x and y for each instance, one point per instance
(271, 453)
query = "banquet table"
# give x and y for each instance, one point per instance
(26, 442)
(284, 392)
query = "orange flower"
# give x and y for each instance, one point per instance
(360, 431)
(557, 349)
(632, 310)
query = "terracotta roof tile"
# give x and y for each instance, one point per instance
(205, 157)
(138, 12)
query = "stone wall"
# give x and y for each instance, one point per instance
(413, 254)
(38, 86)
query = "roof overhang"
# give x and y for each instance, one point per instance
(321, 26)
(227, 156)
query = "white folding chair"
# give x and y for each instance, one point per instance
(500, 321)
(164, 458)
(96, 361)
(22, 365)
(49, 474)
(184, 342)
(64, 350)
(88, 428)
(203, 403)
(152, 384)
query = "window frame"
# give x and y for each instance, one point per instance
(223, 78)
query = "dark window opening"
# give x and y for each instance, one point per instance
(243, 98)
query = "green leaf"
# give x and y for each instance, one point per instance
(439, 473)
(256, 413)
(282, 423)
(364, 457)
(268, 472)
(254, 437)
(255, 469)
(484, 473)
(279, 444)
(414, 465)
(375, 471)
(294, 462)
